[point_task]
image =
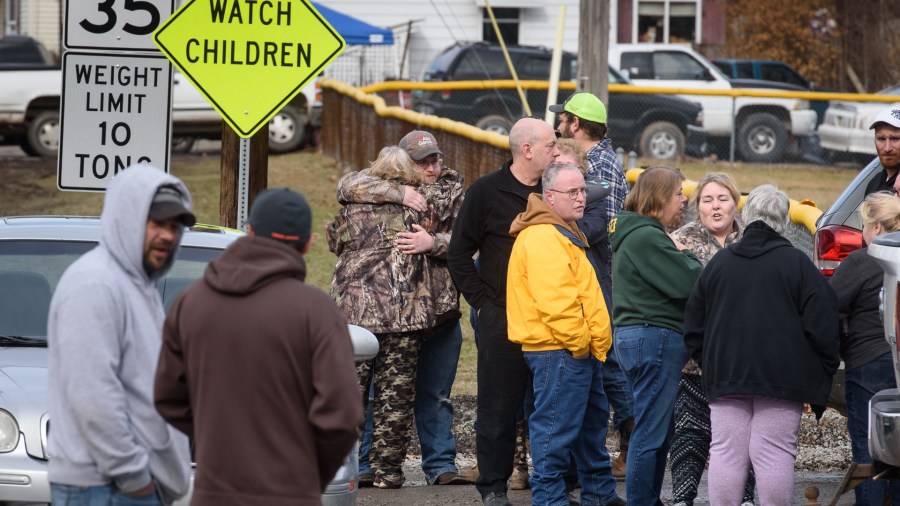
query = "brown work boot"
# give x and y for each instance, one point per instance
(470, 474)
(620, 463)
(519, 478)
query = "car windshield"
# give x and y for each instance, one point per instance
(31, 269)
(891, 90)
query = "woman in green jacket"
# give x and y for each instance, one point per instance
(653, 275)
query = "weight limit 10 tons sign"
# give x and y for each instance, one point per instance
(120, 104)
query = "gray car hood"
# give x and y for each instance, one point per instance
(23, 392)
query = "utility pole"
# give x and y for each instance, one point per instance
(593, 47)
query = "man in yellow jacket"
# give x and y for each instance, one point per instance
(556, 312)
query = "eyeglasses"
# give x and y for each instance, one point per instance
(422, 164)
(573, 193)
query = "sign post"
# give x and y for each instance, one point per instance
(249, 58)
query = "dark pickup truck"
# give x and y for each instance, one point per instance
(656, 126)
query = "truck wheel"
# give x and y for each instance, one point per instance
(22, 141)
(43, 134)
(286, 130)
(494, 123)
(761, 138)
(662, 140)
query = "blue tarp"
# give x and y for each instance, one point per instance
(353, 30)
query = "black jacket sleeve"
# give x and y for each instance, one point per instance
(465, 241)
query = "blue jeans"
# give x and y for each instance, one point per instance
(860, 384)
(652, 358)
(98, 495)
(617, 390)
(569, 419)
(436, 372)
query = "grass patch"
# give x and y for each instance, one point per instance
(28, 186)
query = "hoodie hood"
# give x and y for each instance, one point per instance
(251, 263)
(537, 212)
(627, 222)
(758, 240)
(124, 217)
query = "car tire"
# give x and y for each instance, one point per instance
(42, 136)
(22, 141)
(286, 130)
(761, 138)
(662, 140)
(495, 123)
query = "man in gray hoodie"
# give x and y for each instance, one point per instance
(108, 444)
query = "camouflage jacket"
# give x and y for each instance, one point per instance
(367, 279)
(444, 198)
(703, 245)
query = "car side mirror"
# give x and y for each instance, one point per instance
(365, 345)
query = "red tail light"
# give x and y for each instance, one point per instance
(833, 244)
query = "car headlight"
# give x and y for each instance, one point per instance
(9, 432)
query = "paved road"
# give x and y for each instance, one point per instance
(415, 492)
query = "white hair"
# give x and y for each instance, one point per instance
(768, 204)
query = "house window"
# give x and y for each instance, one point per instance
(667, 21)
(508, 21)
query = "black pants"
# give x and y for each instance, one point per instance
(502, 378)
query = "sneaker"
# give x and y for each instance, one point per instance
(382, 482)
(496, 499)
(616, 501)
(573, 498)
(366, 480)
(519, 480)
(451, 478)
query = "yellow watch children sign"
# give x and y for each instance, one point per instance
(248, 57)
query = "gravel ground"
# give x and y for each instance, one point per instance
(824, 446)
(824, 454)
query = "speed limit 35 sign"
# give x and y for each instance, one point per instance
(114, 24)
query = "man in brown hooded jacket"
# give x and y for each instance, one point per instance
(257, 367)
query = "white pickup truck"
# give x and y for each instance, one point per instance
(884, 408)
(29, 110)
(762, 126)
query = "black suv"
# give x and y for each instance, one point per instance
(657, 126)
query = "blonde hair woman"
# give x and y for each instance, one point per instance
(388, 292)
(866, 355)
(394, 164)
(717, 225)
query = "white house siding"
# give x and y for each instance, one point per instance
(41, 19)
(440, 23)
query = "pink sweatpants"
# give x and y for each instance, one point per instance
(757, 429)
